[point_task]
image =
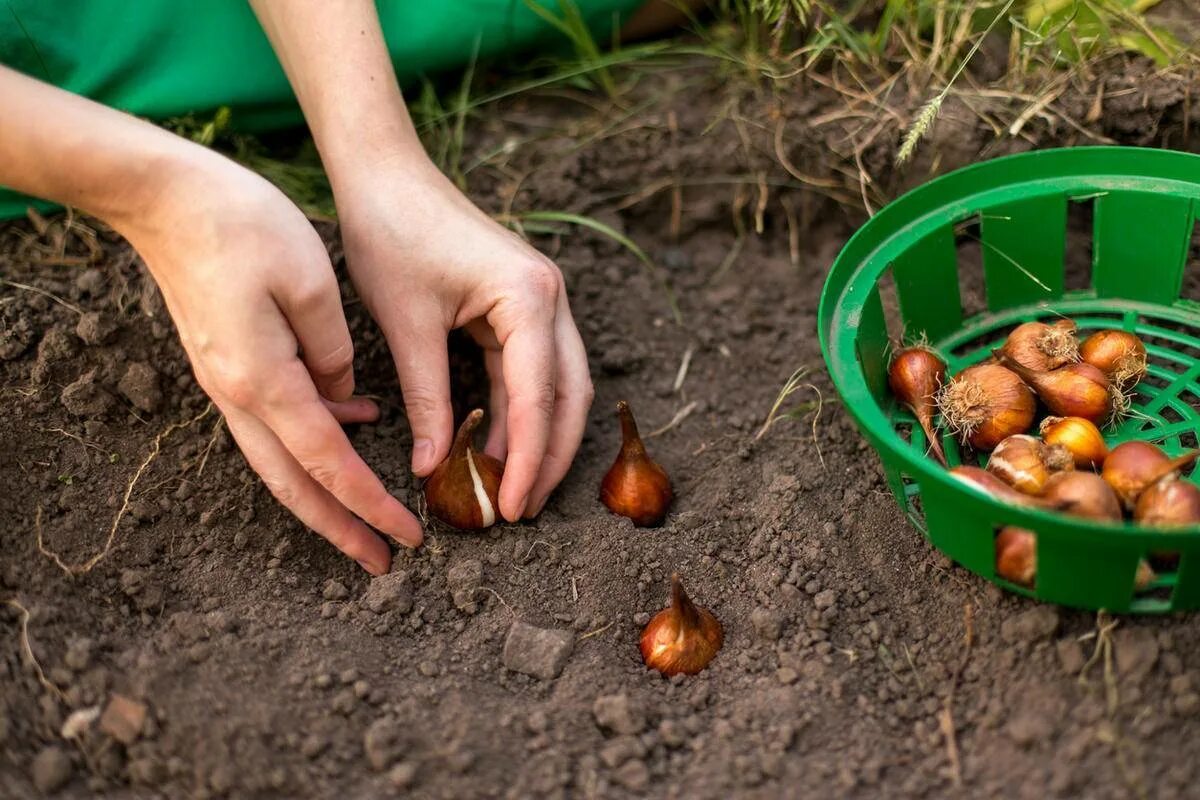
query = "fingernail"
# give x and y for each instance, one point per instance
(371, 568)
(422, 455)
(536, 508)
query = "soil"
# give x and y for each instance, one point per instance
(858, 662)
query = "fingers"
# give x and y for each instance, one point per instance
(528, 364)
(354, 410)
(497, 441)
(304, 497)
(422, 363)
(573, 399)
(308, 431)
(314, 312)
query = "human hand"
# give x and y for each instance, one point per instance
(425, 261)
(249, 285)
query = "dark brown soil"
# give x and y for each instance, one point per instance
(858, 662)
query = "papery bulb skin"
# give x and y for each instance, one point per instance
(985, 404)
(1132, 467)
(682, 638)
(1026, 463)
(1079, 436)
(915, 376)
(1120, 355)
(1169, 503)
(1075, 390)
(1043, 346)
(1016, 555)
(635, 486)
(1083, 494)
(988, 483)
(464, 490)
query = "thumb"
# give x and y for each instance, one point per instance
(419, 351)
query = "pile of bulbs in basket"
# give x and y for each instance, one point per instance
(1068, 467)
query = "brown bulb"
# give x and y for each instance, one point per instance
(985, 404)
(1079, 436)
(1132, 467)
(635, 486)
(1169, 503)
(988, 483)
(682, 638)
(1026, 463)
(1041, 346)
(1118, 354)
(463, 490)
(1076, 390)
(1016, 555)
(915, 376)
(1083, 494)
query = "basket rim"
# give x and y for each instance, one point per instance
(946, 199)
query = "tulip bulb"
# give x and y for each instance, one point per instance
(1079, 436)
(1026, 463)
(986, 404)
(682, 638)
(1132, 467)
(635, 486)
(1041, 346)
(1083, 494)
(1169, 503)
(988, 483)
(1118, 354)
(1016, 555)
(915, 376)
(463, 490)
(1076, 390)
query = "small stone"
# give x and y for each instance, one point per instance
(402, 775)
(428, 668)
(540, 652)
(132, 581)
(313, 745)
(1137, 652)
(344, 702)
(464, 578)
(383, 743)
(1187, 703)
(825, 599)
(348, 675)
(328, 610)
(51, 770)
(123, 719)
(671, 733)
(786, 675)
(79, 654)
(1070, 655)
(95, 328)
(768, 623)
(140, 386)
(334, 590)
(323, 681)
(391, 592)
(634, 776)
(620, 749)
(617, 713)
(1031, 625)
(361, 689)
(537, 721)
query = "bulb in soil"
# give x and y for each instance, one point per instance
(635, 486)
(1026, 463)
(1082, 438)
(682, 638)
(985, 404)
(1132, 467)
(1016, 555)
(915, 376)
(1120, 355)
(1076, 390)
(1043, 346)
(463, 491)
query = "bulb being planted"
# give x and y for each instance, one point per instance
(635, 486)
(463, 490)
(682, 638)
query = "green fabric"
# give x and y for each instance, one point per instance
(163, 58)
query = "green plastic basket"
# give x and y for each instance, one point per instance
(1145, 207)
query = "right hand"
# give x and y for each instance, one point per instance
(250, 285)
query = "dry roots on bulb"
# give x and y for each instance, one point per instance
(1083, 494)
(682, 638)
(1016, 555)
(1076, 390)
(1026, 463)
(1132, 467)
(1169, 503)
(463, 490)
(915, 376)
(635, 486)
(985, 404)
(1041, 346)
(1079, 436)
(1118, 354)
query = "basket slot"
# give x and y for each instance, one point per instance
(872, 346)
(1023, 247)
(1187, 582)
(927, 285)
(1141, 247)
